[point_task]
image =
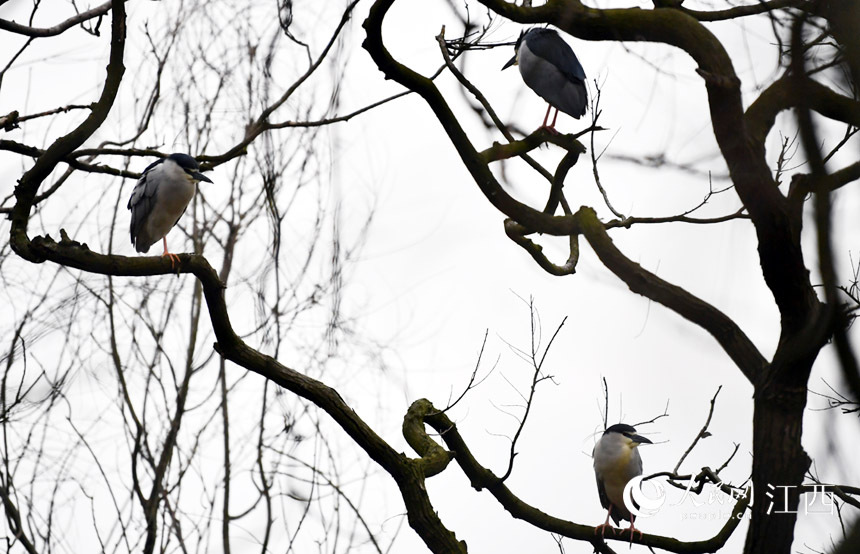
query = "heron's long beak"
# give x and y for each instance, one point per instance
(639, 439)
(512, 61)
(200, 177)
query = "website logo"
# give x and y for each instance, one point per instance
(638, 502)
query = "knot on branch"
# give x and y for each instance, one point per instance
(43, 248)
(801, 185)
(9, 121)
(47, 243)
(434, 459)
(722, 81)
(66, 242)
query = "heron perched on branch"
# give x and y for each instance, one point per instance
(550, 68)
(159, 199)
(616, 462)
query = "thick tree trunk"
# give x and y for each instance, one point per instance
(779, 464)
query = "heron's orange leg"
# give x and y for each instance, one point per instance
(174, 259)
(552, 126)
(546, 117)
(605, 524)
(633, 529)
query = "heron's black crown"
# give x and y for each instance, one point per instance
(184, 161)
(621, 428)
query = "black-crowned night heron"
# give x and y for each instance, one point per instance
(617, 461)
(550, 68)
(159, 199)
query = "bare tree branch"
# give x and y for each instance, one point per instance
(17, 28)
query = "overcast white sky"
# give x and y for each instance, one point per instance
(438, 271)
(453, 274)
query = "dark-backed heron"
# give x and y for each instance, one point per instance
(550, 68)
(159, 199)
(616, 462)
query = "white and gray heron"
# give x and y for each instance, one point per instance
(616, 462)
(550, 68)
(159, 199)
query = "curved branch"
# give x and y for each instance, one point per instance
(803, 184)
(37, 32)
(474, 161)
(628, 222)
(262, 124)
(538, 138)
(72, 160)
(723, 88)
(25, 192)
(733, 340)
(482, 100)
(407, 473)
(777, 231)
(13, 517)
(737, 12)
(482, 478)
(517, 233)
(434, 458)
(790, 92)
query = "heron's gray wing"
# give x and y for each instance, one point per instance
(601, 492)
(637, 461)
(548, 45)
(605, 502)
(141, 204)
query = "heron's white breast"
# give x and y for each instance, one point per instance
(615, 463)
(175, 190)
